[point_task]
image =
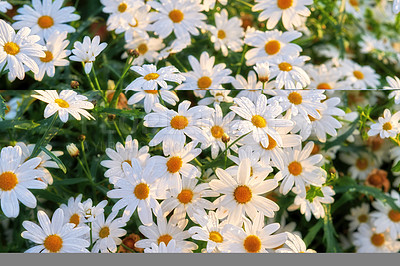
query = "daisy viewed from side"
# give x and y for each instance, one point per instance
(68, 102)
(55, 236)
(294, 244)
(87, 51)
(387, 126)
(73, 211)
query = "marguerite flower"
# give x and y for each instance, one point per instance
(87, 51)
(120, 10)
(46, 17)
(16, 177)
(360, 77)
(250, 88)
(394, 84)
(4, 6)
(294, 244)
(55, 236)
(360, 164)
(387, 126)
(289, 72)
(73, 211)
(90, 212)
(151, 97)
(148, 49)
(136, 24)
(358, 215)
(163, 248)
(65, 103)
(367, 240)
(107, 233)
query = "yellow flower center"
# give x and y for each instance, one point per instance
(185, 196)
(53, 243)
(284, 4)
(324, 86)
(258, 121)
(75, 219)
(394, 216)
(242, 194)
(216, 237)
(47, 58)
(358, 74)
(104, 232)
(252, 244)
(179, 122)
(204, 83)
(362, 163)
(217, 132)
(378, 239)
(285, 66)
(164, 238)
(295, 168)
(174, 164)
(122, 7)
(151, 91)
(295, 98)
(362, 218)
(221, 34)
(45, 22)
(11, 48)
(354, 3)
(142, 49)
(8, 181)
(272, 47)
(176, 16)
(61, 103)
(151, 76)
(387, 126)
(141, 191)
(271, 144)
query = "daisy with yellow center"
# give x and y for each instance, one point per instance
(55, 236)
(73, 211)
(360, 77)
(242, 193)
(68, 102)
(289, 72)
(368, 240)
(136, 191)
(361, 164)
(387, 126)
(148, 49)
(294, 244)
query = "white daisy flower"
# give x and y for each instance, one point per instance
(227, 33)
(186, 121)
(151, 97)
(394, 84)
(271, 44)
(295, 244)
(18, 50)
(147, 49)
(136, 24)
(288, 71)
(325, 77)
(12, 107)
(387, 126)
(260, 118)
(263, 72)
(151, 78)
(396, 6)
(65, 103)
(137, 190)
(385, 218)
(55, 236)
(300, 169)
(181, 16)
(4, 6)
(360, 77)
(120, 12)
(16, 177)
(357, 7)
(166, 232)
(87, 51)
(107, 233)
(90, 212)
(358, 215)
(121, 154)
(250, 88)
(205, 75)
(242, 194)
(255, 238)
(55, 55)
(73, 212)
(360, 164)
(162, 248)
(367, 240)
(210, 4)
(46, 17)
(218, 96)
(289, 11)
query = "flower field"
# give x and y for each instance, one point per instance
(199, 126)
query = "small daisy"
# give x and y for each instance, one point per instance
(137, 23)
(218, 96)
(120, 12)
(46, 17)
(271, 44)
(387, 126)
(121, 154)
(360, 164)
(260, 118)
(358, 216)
(210, 4)
(165, 232)
(151, 97)
(181, 16)
(147, 49)
(65, 103)
(325, 77)
(151, 78)
(205, 76)
(299, 169)
(227, 33)
(255, 238)
(295, 244)
(73, 212)
(106, 234)
(55, 55)
(4, 6)
(250, 88)
(12, 107)
(16, 177)
(90, 211)
(87, 52)
(394, 84)
(367, 240)
(288, 70)
(136, 191)
(162, 248)
(360, 77)
(242, 194)
(18, 51)
(290, 11)
(55, 236)
(187, 121)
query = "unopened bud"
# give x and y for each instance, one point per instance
(74, 84)
(73, 150)
(82, 137)
(133, 52)
(111, 117)
(225, 138)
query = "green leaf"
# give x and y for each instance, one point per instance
(70, 181)
(3, 107)
(23, 125)
(314, 192)
(50, 196)
(330, 235)
(124, 113)
(342, 138)
(396, 168)
(312, 232)
(47, 136)
(55, 159)
(342, 200)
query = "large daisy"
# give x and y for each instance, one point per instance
(289, 72)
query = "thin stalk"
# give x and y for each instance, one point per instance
(118, 91)
(119, 131)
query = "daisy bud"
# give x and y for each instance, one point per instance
(378, 178)
(74, 84)
(82, 137)
(247, 20)
(133, 52)
(111, 117)
(225, 138)
(262, 72)
(129, 242)
(73, 150)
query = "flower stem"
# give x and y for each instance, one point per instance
(118, 90)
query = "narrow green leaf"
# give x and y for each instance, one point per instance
(312, 232)
(70, 181)
(3, 107)
(330, 235)
(23, 125)
(50, 196)
(55, 159)
(342, 138)
(396, 168)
